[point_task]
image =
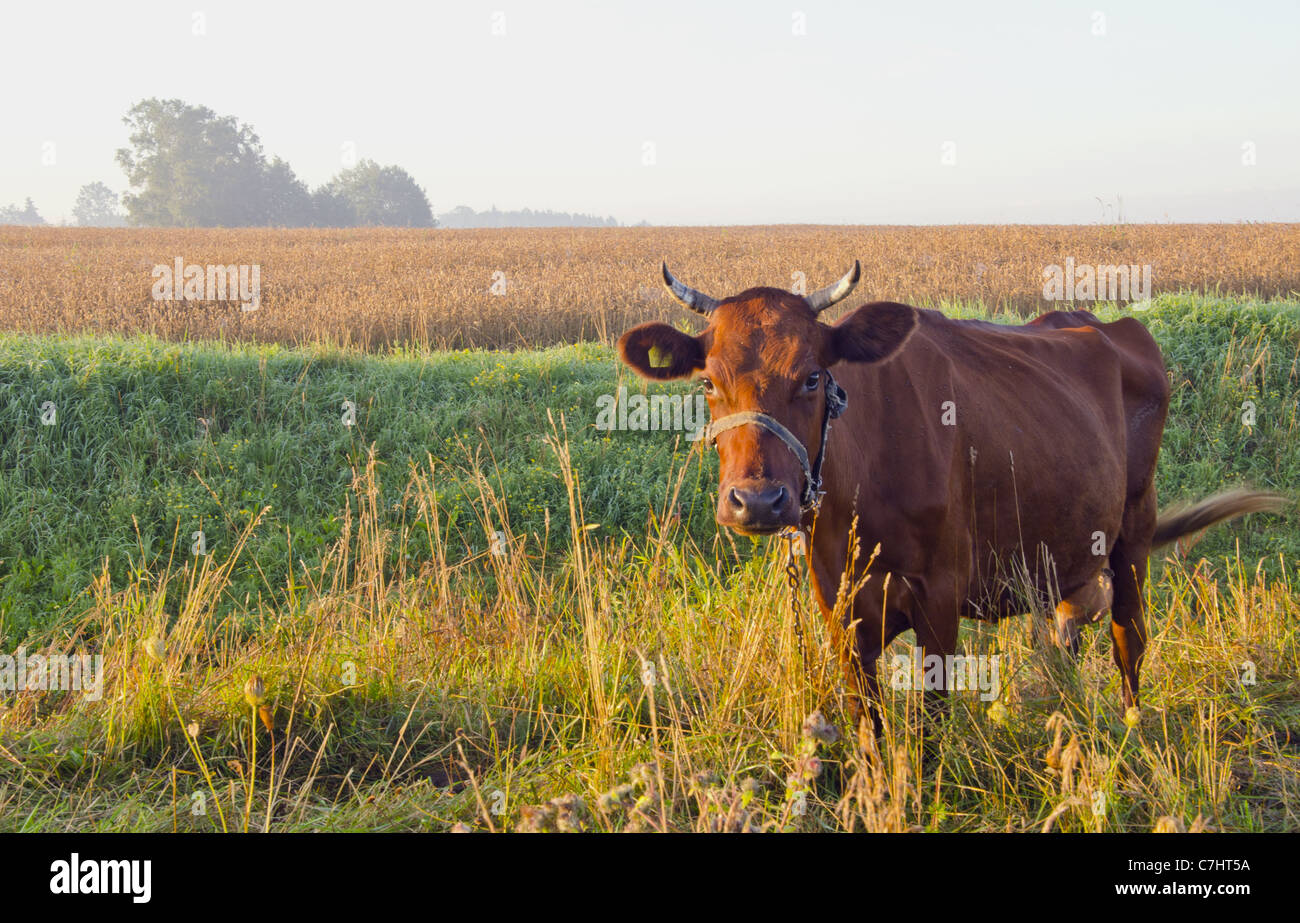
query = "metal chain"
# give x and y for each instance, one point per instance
(792, 578)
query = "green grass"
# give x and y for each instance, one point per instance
(412, 675)
(128, 472)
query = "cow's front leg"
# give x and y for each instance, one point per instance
(935, 620)
(860, 631)
(878, 615)
(873, 627)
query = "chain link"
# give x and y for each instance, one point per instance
(792, 578)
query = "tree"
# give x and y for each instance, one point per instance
(385, 196)
(28, 215)
(189, 167)
(331, 209)
(192, 168)
(286, 199)
(97, 207)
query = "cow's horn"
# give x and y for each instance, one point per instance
(823, 298)
(698, 302)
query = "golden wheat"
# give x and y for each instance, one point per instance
(375, 287)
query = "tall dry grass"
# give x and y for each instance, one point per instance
(615, 687)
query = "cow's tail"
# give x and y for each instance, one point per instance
(1175, 523)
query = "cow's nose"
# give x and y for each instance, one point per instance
(758, 505)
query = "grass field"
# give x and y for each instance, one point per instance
(154, 441)
(612, 661)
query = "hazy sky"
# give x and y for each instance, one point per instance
(751, 112)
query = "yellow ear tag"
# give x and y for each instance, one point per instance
(659, 359)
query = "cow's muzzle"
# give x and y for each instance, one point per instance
(758, 507)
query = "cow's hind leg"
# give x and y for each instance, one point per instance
(1128, 559)
(1085, 606)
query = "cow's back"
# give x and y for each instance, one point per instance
(1145, 387)
(985, 446)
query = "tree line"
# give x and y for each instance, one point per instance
(186, 166)
(462, 216)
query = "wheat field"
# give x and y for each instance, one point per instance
(538, 287)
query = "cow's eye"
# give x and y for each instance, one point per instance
(813, 381)
(707, 385)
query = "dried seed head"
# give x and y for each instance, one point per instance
(818, 729)
(1169, 824)
(570, 813)
(1133, 716)
(155, 649)
(1200, 825)
(644, 774)
(1053, 758)
(255, 691)
(704, 781)
(1057, 723)
(1071, 757)
(536, 818)
(620, 796)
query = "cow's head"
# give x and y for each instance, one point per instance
(765, 358)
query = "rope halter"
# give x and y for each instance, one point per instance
(836, 401)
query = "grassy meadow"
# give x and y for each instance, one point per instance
(467, 607)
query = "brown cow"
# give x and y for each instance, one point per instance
(984, 459)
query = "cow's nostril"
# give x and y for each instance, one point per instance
(758, 505)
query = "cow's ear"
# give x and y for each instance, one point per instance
(873, 332)
(662, 352)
